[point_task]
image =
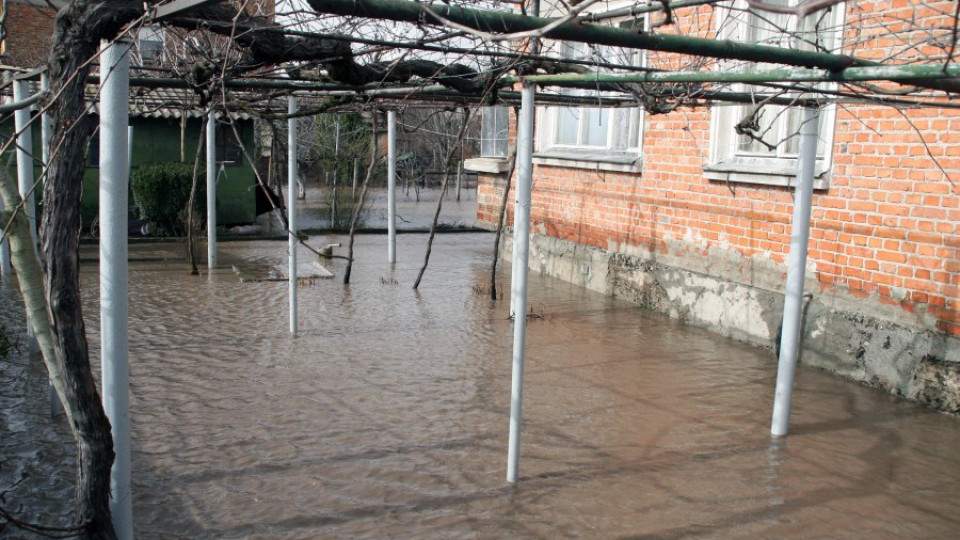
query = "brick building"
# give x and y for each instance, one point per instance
(678, 212)
(27, 32)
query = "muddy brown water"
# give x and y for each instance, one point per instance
(387, 416)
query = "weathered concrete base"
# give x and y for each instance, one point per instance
(861, 338)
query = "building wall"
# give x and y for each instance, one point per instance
(883, 266)
(29, 31)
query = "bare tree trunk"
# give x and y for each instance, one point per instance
(191, 244)
(363, 197)
(443, 190)
(78, 30)
(500, 221)
(23, 255)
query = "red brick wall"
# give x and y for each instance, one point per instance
(29, 31)
(886, 231)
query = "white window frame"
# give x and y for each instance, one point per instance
(495, 131)
(728, 161)
(614, 154)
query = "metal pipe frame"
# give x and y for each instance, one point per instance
(114, 301)
(391, 186)
(292, 210)
(211, 144)
(796, 273)
(518, 285)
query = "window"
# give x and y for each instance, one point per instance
(765, 152)
(494, 131)
(588, 136)
(150, 45)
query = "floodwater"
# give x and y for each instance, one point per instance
(415, 208)
(387, 416)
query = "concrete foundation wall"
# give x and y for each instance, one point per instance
(740, 297)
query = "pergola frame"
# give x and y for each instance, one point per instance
(941, 81)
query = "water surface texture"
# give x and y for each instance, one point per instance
(387, 416)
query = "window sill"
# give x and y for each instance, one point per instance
(489, 165)
(764, 175)
(597, 161)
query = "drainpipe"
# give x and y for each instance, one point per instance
(211, 189)
(114, 301)
(796, 269)
(292, 208)
(391, 186)
(521, 243)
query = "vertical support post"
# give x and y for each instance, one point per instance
(46, 128)
(521, 242)
(333, 202)
(292, 208)
(25, 178)
(114, 187)
(129, 151)
(211, 189)
(336, 176)
(391, 186)
(5, 264)
(796, 270)
(460, 164)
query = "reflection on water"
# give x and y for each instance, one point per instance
(387, 417)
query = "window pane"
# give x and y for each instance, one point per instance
(568, 122)
(596, 126)
(770, 121)
(626, 128)
(494, 126)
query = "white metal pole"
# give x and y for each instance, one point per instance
(25, 177)
(292, 208)
(521, 240)
(391, 186)
(5, 265)
(460, 167)
(211, 189)
(129, 151)
(46, 127)
(796, 270)
(114, 185)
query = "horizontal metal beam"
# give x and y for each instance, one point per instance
(497, 22)
(177, 8)
(505, 22)
(912, 73)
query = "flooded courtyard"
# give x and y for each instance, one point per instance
(387, 415)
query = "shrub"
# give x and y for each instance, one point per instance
(161, 192)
